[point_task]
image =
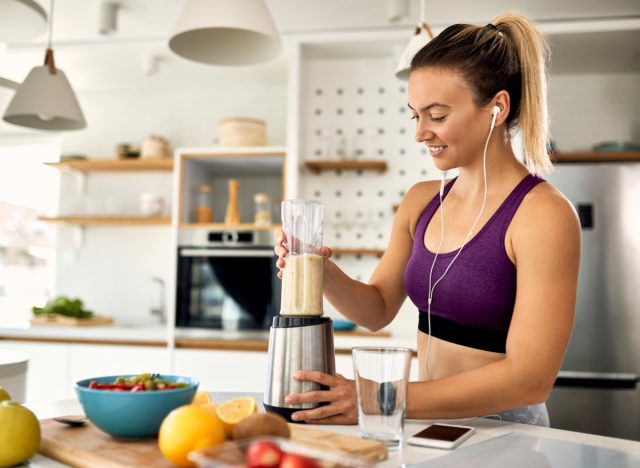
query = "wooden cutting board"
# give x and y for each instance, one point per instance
(89, 447)
(61, 320)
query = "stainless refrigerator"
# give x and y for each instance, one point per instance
(597, 390)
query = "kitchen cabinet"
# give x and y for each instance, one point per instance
(96, 360)
(48, 371)
(54, 367)
(258, 169)
(223, 371)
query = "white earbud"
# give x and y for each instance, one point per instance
(494, 115)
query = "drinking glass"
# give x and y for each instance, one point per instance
(382, 378)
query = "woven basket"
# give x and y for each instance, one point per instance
(242, 131)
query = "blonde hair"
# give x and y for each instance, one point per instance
(507, 54)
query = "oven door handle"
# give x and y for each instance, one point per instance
(226, 253)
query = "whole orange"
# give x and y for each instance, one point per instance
(188, 428)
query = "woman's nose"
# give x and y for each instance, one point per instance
(423, 132)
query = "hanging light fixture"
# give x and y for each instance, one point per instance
(21, 20)
(421, 37)
(45, 99)
(226, 32)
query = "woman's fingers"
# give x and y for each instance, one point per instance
(326, 252)
(320, 412)
(318, 377)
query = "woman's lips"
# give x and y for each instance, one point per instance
(436, 150)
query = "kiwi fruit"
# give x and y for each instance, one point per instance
(261, 425)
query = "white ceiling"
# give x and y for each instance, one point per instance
(95, 62)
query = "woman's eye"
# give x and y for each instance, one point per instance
(437, 119)
(415, 117)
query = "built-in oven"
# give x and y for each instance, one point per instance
(226, 279)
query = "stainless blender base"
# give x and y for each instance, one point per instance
(286, 412)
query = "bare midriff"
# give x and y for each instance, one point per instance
(447, 359)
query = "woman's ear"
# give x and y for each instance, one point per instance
(503, 102)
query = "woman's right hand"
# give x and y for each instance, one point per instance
(282, 252)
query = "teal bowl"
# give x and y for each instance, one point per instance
(132, 415)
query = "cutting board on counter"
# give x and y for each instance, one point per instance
(89, 447)
(62, 320)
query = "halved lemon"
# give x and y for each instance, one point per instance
(201, 398)
(231, 412)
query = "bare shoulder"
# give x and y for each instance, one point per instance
(415, 201)
(545, 213)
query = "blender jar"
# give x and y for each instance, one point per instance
(302, 222)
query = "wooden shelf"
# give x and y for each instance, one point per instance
(114, 165)
(370, 164)
(234, 152)
(596, 156)
(222, 226)
(109, 220)
(376, 252)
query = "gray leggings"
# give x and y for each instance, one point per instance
(535, 415)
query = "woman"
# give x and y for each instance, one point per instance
(495, 279)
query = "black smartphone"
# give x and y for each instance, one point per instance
(445, 436)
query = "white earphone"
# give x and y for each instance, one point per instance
(495, 110)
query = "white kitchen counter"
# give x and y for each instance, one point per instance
(535, 439)
(150, 333)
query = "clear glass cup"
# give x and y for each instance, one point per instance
(302, 223)
(382, 378)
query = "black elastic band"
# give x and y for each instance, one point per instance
(491, 26)
(454, 332)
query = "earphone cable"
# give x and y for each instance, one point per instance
(431, 288)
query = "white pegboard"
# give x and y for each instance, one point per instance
(357, 109)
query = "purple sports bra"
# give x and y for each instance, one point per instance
(473, 304)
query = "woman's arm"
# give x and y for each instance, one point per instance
(546, 245)
(375, 305)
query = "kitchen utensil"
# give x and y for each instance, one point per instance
(233, 210)
(88, 447)
(64, 321)
(300, 338)
(132, 415)
(238, 453)
(72, 420)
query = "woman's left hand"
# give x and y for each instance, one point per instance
(341, 396)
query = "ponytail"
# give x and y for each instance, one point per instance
(533, 119)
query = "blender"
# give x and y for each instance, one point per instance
(300, 338)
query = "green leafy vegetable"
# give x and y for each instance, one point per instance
(63, 305)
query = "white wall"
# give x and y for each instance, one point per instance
(112, 268)
(590, 109)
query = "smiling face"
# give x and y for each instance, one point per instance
(448, 122)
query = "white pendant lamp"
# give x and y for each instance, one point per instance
(421, 37)
(45, 99)
(21, 20)
(226, 32)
